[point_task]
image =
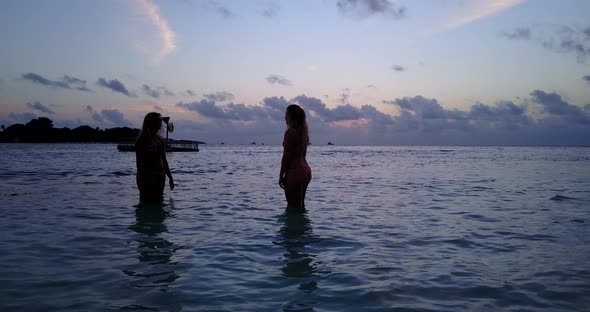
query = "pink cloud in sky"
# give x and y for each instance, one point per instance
(166, 35)
(477, 9)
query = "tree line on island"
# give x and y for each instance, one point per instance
(41, 130)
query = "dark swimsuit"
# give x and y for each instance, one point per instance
(300, 175)
(300, 172)
(151, 176)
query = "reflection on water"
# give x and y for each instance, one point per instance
(299, 263)
(389, 228)
(155, 267)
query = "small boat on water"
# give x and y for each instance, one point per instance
(171, 145)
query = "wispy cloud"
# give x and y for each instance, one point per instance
(560, 39)
(151, 92)
(478, 9)
(270, 11)
(276, 79)
(219, 96)
(519, 33)
(156, 92)
(220, 10)
(115, 86)
(166, 35)
(398, 68)
(40, 107)
(366, 8)
(67, 82)
(344, 97)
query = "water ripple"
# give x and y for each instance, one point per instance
(387, 229)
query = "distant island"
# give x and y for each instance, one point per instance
(41, 130)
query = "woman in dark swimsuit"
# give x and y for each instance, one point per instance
(295, 173)
(152, 166)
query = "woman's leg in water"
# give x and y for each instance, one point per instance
(294, 189)
(308, 179)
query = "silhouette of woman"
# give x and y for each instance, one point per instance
(295, 173)
(152, 166)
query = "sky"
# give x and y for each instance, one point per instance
(367, 72)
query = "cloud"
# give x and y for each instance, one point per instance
(40, 107)
(21, 118)
(571, 41)
(428, 115)
(115, 117)
(41, 80)
(554, 106)
(365, 8)
(96, 116)
(478, 9)
(503, 123)
(224, 12)
(344, 97)
(505, 115)
(166, 35)
(156, 92)
(586, 78)
(231, 111)
(190, 93)
(109, 117)
(76, 83)
(67, 82)
(397, 68)
(545, 118)
(340, 113)
(518, 33)
(219, 96)
(220, 10)
(275, 106)
(115, 86)
(151, 92)
(166, 91)
(560, 39)
(276, 79)
(270, 11)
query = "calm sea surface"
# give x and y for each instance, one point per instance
(387, 229)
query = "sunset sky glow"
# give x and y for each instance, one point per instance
(477, 72)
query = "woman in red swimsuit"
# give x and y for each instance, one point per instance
(295, 173)
(152, 166)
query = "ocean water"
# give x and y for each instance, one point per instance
(387, 229)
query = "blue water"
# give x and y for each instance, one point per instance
(387, 229)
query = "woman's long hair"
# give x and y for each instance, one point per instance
(298, 122)
(152, 123)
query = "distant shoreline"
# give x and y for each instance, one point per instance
(41, 130)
